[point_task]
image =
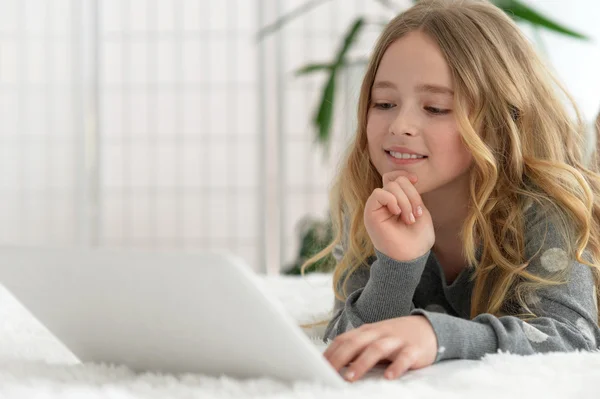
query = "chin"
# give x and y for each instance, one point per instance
(421, 189)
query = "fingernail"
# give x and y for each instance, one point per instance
(412, 218)
(419, 211)
(349, 375)
(388, 375)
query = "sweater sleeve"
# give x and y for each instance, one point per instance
(383, 292)
(566, 314)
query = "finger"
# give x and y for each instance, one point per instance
(337, 341)
(405, 359)
(383, 198)
(413, 195)
(343, 342)
(350, 347)
(403, 201)
(348, 335)
(391, 176)
(340, 340)
(376, 351)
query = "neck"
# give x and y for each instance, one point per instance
(448, 206)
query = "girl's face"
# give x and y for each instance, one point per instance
(411, 113)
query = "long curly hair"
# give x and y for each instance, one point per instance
(526, 149)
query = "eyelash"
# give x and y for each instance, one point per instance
(438, 111)
(381, 106)
(431, 110)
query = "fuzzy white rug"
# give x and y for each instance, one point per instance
(34, 364)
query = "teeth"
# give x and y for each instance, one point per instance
(400, 155)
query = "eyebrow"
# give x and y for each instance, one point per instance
(422, 88)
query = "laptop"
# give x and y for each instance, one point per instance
(172, 312)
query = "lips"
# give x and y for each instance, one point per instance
(404, 161)
(405, 156)
(412, 155)
(403, 150)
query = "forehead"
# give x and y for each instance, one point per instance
(414, 58)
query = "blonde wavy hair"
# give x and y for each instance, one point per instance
(525, 145)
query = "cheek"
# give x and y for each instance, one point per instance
(377, 122)
(371, 128)
(453, 151)
(372, 145)
(373, 133)
(460, 153)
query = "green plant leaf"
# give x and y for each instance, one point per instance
(315, 235)
(348, 41)
(284, 19)
(519, 11)
(324, 116)
(310, 68)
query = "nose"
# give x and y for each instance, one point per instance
(404, 123)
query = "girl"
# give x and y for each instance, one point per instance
(466, 220)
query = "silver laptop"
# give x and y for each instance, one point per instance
(175, 312)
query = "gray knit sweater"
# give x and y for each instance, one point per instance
(567, 313)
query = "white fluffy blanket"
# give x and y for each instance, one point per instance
(34, 364)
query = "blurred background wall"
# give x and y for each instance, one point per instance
(171, 124)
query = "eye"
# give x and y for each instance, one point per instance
(383, 106)
(437, 111)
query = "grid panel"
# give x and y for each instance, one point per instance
(38, 47)
(176, 116)
(180, 140)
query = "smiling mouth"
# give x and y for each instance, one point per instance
(404, 156)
